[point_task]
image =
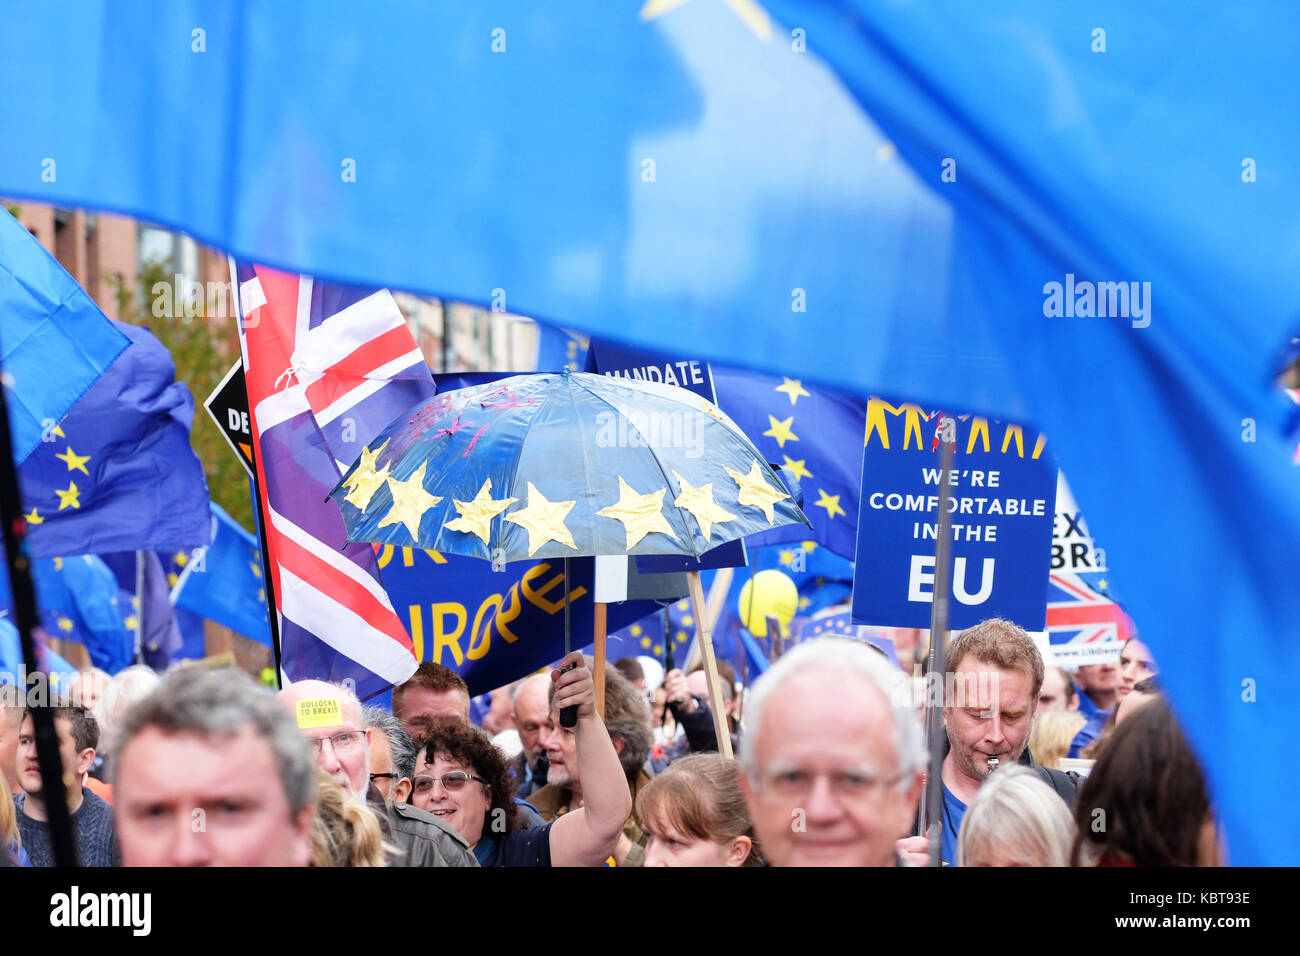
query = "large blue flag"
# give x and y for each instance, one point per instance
(224, 582)
(752, 206)
(118, 474)
(12, 668)
(54, 340)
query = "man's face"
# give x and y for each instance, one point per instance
(75, 763)
(10, 718)
(1098, 677)
(698, 684)
(421, 705)
(1136, 664)
(531, 710)
(1052, 696)
(994, 719)
(561, 745)
(341, 750)
(188, 800)
(825, 792)
(381, 762)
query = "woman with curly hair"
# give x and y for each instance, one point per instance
(465, 781)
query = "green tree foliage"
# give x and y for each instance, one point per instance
(204, 342)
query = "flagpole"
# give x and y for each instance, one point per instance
(48, 758)
(932, 795)
(268, 579)
(139, 609)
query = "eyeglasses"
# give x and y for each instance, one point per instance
(795, 783)
(379, 776)
(452, 782)
(347, 741)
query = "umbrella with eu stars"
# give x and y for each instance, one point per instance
(563, 465)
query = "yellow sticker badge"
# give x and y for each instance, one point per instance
(320, 712)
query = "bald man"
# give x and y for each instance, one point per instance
(532, 707)
(330, 717)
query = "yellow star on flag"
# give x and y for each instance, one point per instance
(781, 430)
(73, 460)
(65, 624)
(804, 602)
(755, 492)
(543, 520)
(787, 557)
(181, 559)
(794, 388)
(68, 497)
(750, 12)
(257, 569)
(410, 502)
(365, 481)
(809, 546)
(34, 517)
(132, 622)
(699, 502)
(58, 564)
(641, 514)
(830, 502)
(796, 468)
(476, 516)
(56, 430)
(172, 578)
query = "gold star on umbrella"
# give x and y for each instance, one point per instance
(73, 460)
(68, 497)
(699, 502)
(641, 514)
(410, 502)
(756, 492)
(476, 516)
(365, 481)
(781, 430)
(543, 520)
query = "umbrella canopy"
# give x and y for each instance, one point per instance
(561, 466)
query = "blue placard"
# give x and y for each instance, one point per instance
(694, 374)
(1001, 494)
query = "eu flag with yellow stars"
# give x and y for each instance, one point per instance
(79, 602)
(118, 473)
(815, 435)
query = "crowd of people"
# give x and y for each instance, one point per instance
(1040, 767)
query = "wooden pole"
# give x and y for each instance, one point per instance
(704, 640)
(600, 659)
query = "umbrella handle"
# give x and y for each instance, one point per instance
(568, 715)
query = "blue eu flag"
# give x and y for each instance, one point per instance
(118, 473)
(224, 581)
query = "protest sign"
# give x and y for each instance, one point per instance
(1000, 496)
(1072, 546)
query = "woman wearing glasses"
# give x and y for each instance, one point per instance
(464, 780)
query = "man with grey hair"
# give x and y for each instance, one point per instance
(330, 717)
(209, 771)
(833, 757)
(532, 705)
(392, 755)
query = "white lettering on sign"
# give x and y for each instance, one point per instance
(237, 420)
(921, 576)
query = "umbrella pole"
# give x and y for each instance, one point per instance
(600, 659)
(704, 640)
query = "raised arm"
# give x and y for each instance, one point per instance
(586, 837)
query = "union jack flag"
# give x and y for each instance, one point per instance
(1076, 613)
(327, 367)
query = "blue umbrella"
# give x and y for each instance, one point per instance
(562, 466)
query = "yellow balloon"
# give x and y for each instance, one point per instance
(769, 592)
